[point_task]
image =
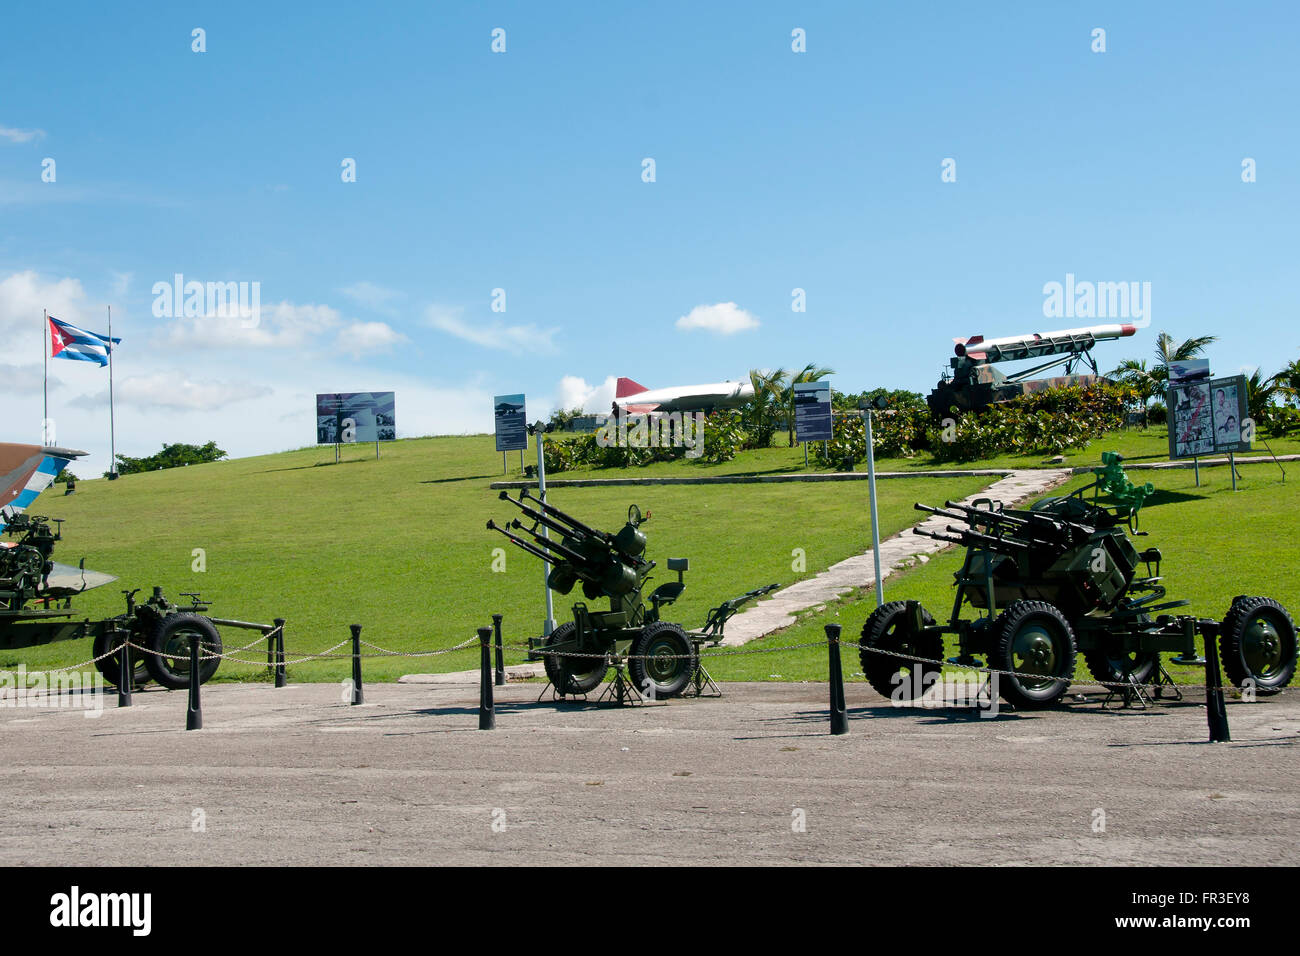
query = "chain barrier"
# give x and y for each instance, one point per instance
(1069, 681)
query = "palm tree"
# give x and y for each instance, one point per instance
(762, 410)
(1170, 350)
(811, 373)
(1287, 382)
(1259, 396)
(1134, 374)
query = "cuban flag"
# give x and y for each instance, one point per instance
(69, 342)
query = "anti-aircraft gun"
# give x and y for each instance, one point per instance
(36, 596)
(662, 657)
(1064, 575)
(973, 383)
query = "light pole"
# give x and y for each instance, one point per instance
(867, 408)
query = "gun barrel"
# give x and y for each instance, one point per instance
(573, 557)
(520, 542)
(551, 509)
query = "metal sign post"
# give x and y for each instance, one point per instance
(549, 624)
(875, 522)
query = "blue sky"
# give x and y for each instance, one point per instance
(522, 171)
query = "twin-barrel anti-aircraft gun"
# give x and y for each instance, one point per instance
(661, 657)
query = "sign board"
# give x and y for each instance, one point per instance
(812, 411)
(511, 422)
(1209, 416)
(345, 417)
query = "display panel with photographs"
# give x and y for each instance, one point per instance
(345, 417)
(1209, 416)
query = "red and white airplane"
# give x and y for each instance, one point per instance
(635, 399)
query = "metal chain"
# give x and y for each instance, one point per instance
(1006, 673)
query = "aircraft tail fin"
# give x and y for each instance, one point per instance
(26, 471)
(626, 387)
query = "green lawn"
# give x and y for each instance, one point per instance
(399, 545)
(1216, 544)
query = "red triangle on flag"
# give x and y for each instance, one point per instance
(57, 344)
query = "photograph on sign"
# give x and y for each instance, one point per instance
(511, 422)
(1191, 429)
(1188, 370)
(1227, 423)
(346, 417)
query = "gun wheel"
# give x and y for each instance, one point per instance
(897, 677)
(1258, 643)
(572, 675)
(169, 665)
(110, 666)
(1117, 667)
(1035, 639)
(662, 661)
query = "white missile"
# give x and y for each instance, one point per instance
(1039, 343)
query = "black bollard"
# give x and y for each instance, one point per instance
(496, 637)
(487, 715)
(280, 678)
(357, 696)
(839, 715)
(194, 713)
(125, 671)
(1216, 712)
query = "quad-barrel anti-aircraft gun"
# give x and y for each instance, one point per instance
(1064, 575)
(662, 657)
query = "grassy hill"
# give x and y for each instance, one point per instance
(399, 545)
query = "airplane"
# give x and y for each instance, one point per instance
(635, 399)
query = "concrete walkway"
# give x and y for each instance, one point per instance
(859, 571)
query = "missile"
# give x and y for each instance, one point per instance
(1035, 344)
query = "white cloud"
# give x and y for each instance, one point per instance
(283, 325)
(20, 135)
(518, 339)
(574, 392)
(724, 318)
(371, 296)
(362, 337)
(22, 297)
(172, 390)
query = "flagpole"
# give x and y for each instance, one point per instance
(45, 360)
(112, 431)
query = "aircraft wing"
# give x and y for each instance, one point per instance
(65, 580)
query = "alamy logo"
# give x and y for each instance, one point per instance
(74, 908)
(193, 299)
(61, 689)
(1097, 300)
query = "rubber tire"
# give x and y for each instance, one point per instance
(1243, 612)
(667, 678)
(881, 630)
(1107, 669)
(109, 665)
(169, 638)
(564, 672)
(1009, 624)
